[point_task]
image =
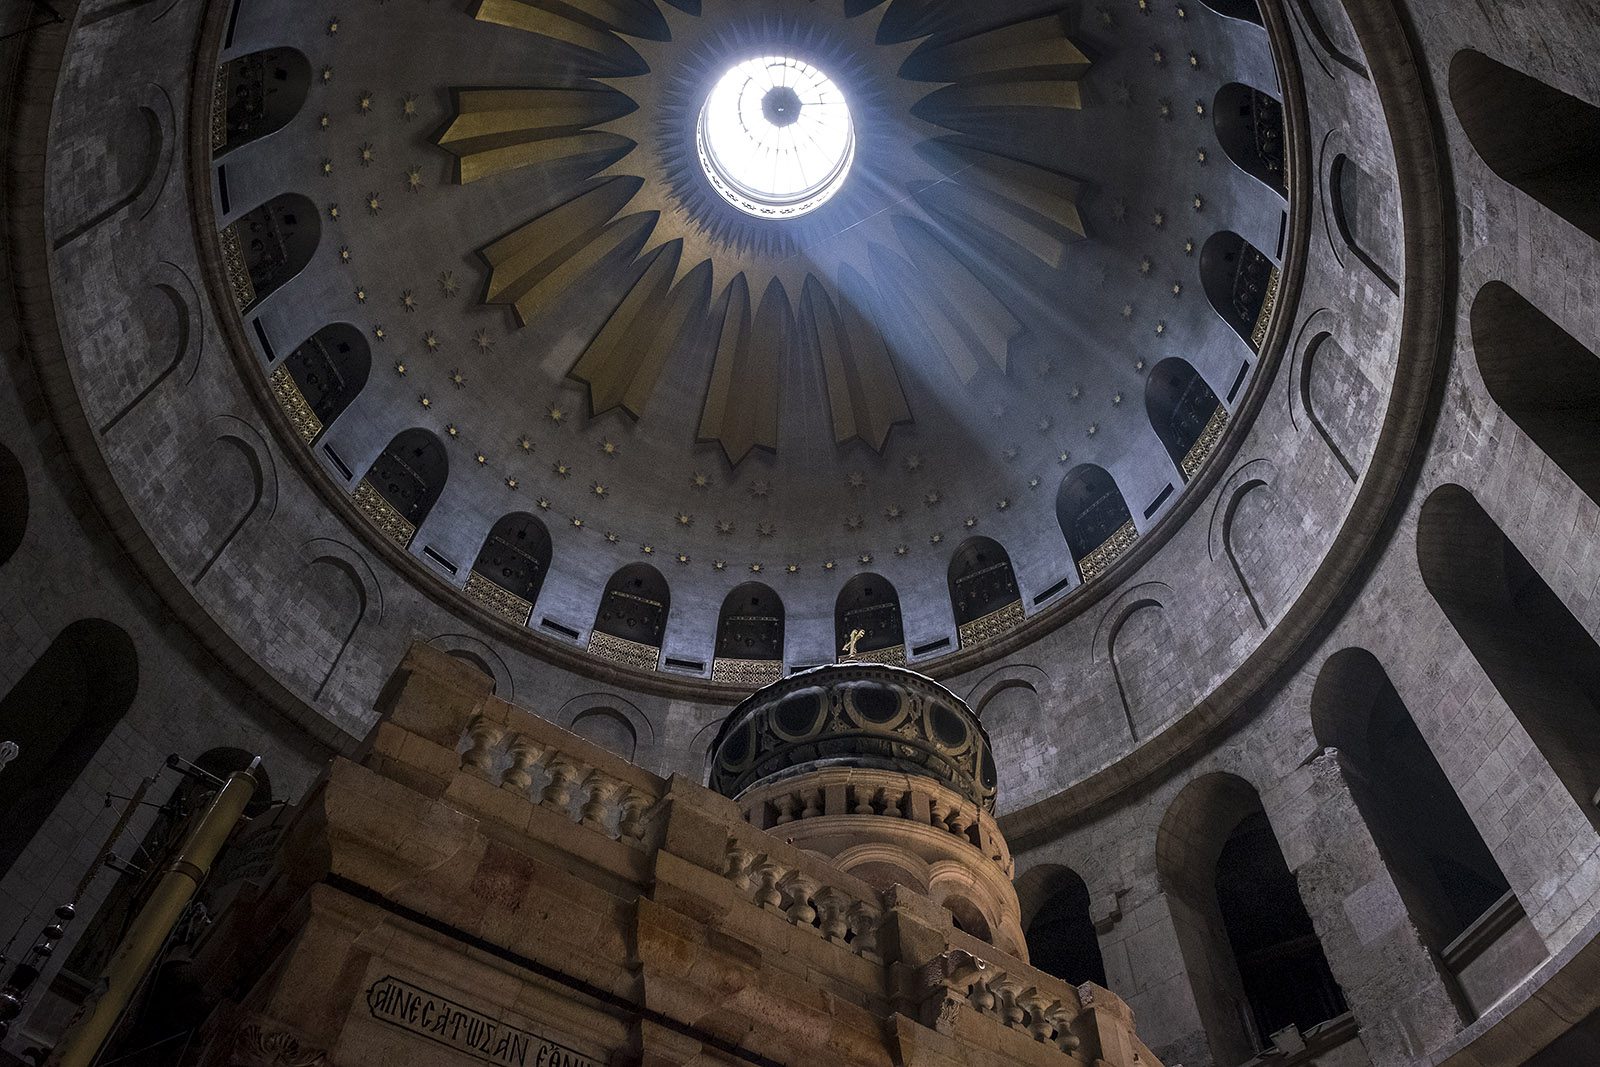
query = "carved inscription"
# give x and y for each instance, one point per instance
(457, 1026)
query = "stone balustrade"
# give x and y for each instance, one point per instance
(881, 794)
(1020, 998)
(809, 894)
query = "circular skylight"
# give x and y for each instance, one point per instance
(775, 137)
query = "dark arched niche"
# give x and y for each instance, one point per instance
(1182, 408)
(634, 606)
(13, 504)
(750, 625)
(608, 728)
(1546, 380)
(981, 581)
(514, 559)
(271, 243)
(1541, 660)
(1060, 932)
(1249, 126)
(1240, 282)
(1094, 518)
(1540, 139)
(409, 474)
(1255, 964)
(329, 369)
(263, 91)
(870, 604)
(1444, 871)
(1243, 10)
(58, 714)
(1365, 214)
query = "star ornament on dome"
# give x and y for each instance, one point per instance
(873, 199)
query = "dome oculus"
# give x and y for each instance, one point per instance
(775, 137)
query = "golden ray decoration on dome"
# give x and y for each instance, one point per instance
(862, 282)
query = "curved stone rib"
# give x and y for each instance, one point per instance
(496, 130)
(1033, 207)
(623, 363)
(741, 410)
(1032, 50)
(541, 258)
(555, 21)
(969, 332)
(864, 393)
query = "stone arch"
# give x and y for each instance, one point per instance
(58, 714)
(1342, 51)
(236, 483)
(1094, 519)
(1139, 643)
(1254, 968)
(1366, 216)
(1249, 127)
(982, 583)
(1242, 10)
(1545, 379)
(1541, 660)
(593, 708)
(634, 607)
(262, 91)
(1058, 926)
(869, 603)
(483, 656)
(1445, 873)
(328, 370)
(750, 624)
(322, 610)
(1242, 524)
(404, 482)
(1008, 703)
(13, 504)
(511, 566)
(1532, 135)
(1338, 398)
(1241, 283)
(166, 313)
(269, 245)
(608, 728)
(1184, 412)
(139, 144)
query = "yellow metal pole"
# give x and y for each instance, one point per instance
(181, 877)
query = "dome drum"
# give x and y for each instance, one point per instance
(855, 715)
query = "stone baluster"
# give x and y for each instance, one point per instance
(1061, 1020)
(786, 805)
(1034, 1003)
(739, 866)
(486, 735)
(864, 922)
(834, 908)
(936, 812)
(524, 757)
(813, 804)
(630, 824)
(863, 797)
(980, 996)
(960, 821)
(890, 803)
(800, 888)
(563, 773)
(767, 875)
(599, 790)
(1007, 990)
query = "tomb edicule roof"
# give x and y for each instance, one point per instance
(518, 221)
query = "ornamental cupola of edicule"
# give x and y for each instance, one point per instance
(480, 886)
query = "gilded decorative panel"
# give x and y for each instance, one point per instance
(640, 657)
(244, 290)
(1095, 563)
(751, 673)
(293, 402)
(894, 656)
(1269, 303)
(382, 514)
(991, 625)
(1196, 457)
(219, 110)
(502, 602)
